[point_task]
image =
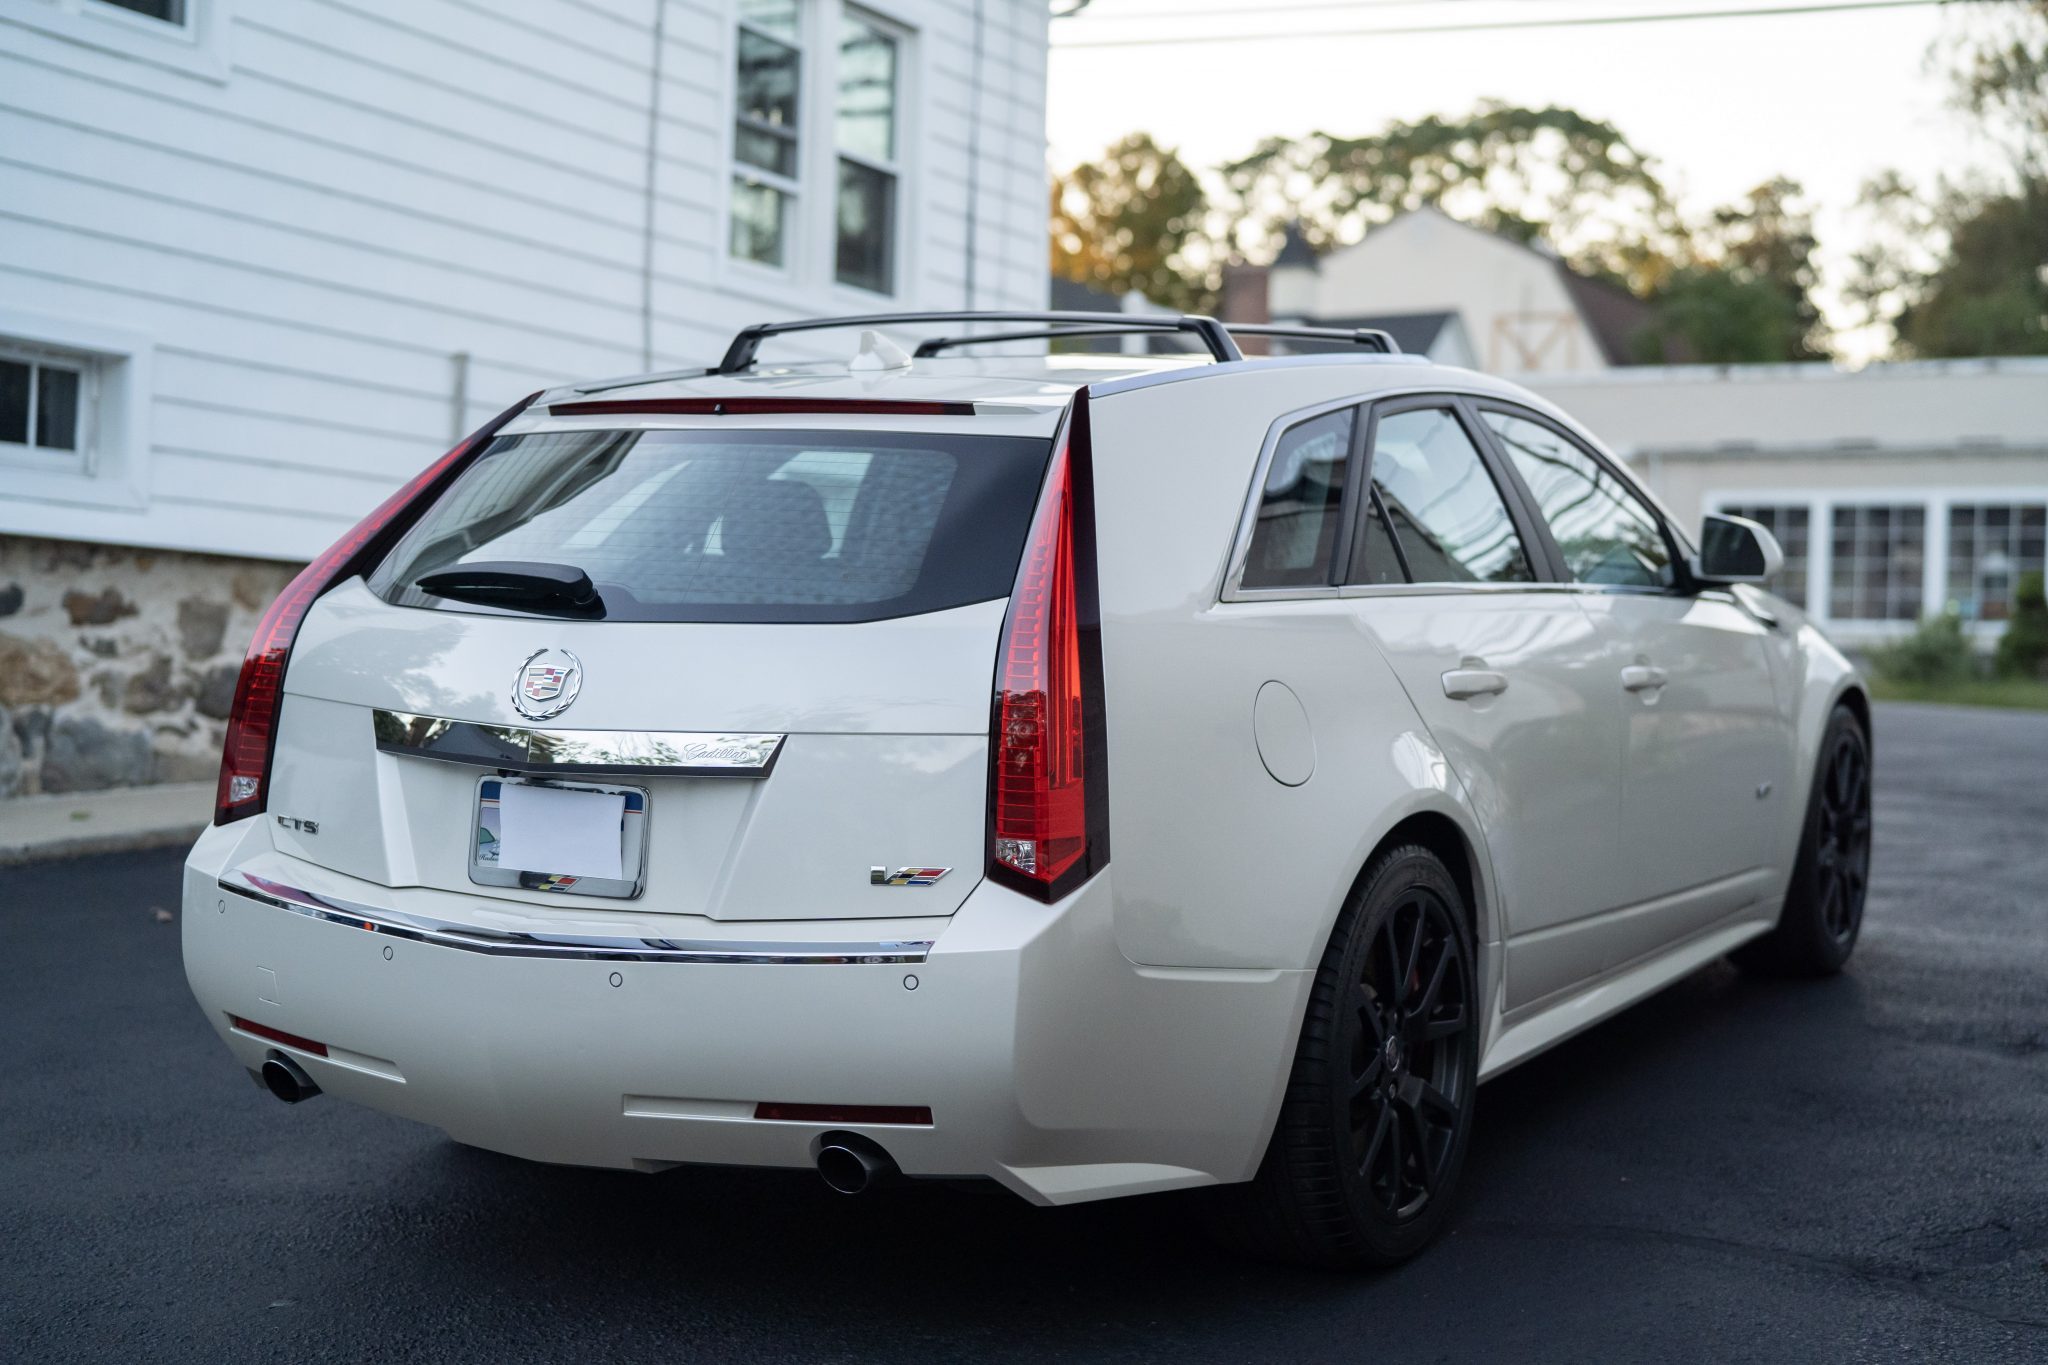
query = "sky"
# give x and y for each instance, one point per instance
(1722, 105)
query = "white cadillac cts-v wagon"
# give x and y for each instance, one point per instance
(1096, 773)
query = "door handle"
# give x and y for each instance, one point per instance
(1462, 684)
(1642, 678)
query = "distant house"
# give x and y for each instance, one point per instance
(1460, 294)
(260, 263)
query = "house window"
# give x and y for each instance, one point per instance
(767, 147)
(45, 400)
(1989, 546)
(818, 162)
(1874, 572)
(1792, 525)
(170, 11)
(865, 135)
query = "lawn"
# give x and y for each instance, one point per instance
(2025, 693)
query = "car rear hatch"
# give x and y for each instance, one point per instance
(776, 679)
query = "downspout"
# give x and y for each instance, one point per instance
(647, 215)
(974, 150)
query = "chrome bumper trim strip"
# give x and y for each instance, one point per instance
(502, 943)
(607, 752)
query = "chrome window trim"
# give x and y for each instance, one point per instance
(614, 753)
(1240, 550)
(471, 938)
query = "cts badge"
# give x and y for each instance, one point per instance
(906, 876)
(547, 683)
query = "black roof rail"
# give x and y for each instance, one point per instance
(1137, 326)
(1216, 337)
(1372, 338)
(1212, 334)
(1141, 324)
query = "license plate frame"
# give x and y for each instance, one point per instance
(483, 836)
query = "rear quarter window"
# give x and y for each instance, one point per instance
(762, 526)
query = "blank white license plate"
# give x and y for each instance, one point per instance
(578, 838)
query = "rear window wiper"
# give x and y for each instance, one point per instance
(553, 589)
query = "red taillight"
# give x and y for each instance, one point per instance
(252, 720)
(1048, 801)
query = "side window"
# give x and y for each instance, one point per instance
(1301, 505)
(1448, 521)
(1606, 532)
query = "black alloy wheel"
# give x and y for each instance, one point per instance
(1823, 912)
(1364, 1160)
(1842, 856)
(1407, 1018)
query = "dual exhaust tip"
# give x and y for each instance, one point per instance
(847, 1162)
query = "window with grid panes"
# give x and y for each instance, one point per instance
(1877, 550)
(1990, 545)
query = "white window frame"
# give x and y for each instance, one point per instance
(83, 456)
(111, 466)
(892, 167)
(194, 46)
(796, 189)
(809, 272)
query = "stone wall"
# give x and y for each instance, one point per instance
(118, 666)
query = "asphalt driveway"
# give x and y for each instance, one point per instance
(1849, 1170)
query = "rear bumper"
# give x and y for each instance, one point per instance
(1049, 1062)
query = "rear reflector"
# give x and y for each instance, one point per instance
(278, 1035)
(845, 1113)
(252, 718)
(753, 407)
(1048, 778)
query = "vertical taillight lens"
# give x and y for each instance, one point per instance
(1048, 798)
(252, 720)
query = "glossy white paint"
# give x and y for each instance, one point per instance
(1134, 1036)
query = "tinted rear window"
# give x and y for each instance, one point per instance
(762, 526)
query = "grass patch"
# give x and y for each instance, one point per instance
(2021, 693)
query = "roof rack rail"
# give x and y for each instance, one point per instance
(1212, 334)
(1216, 337)
(1372, 338)
(1140, 324)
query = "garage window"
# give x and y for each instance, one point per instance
(1875, 562)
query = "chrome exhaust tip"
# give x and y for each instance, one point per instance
(852, 1164)
(286, 1079)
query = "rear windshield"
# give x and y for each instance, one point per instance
(762, 526)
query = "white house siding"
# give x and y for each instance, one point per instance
(378, 186)
(331, 235)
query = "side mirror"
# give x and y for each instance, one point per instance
(1736, 550)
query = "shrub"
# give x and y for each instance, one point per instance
(1938, 651)
(2023, 650)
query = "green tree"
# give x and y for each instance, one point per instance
(2023, 649)
(1745, 293)
(1524, 173)
(1957, 269)
(1135, 221)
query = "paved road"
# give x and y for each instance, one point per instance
(1850, 1170)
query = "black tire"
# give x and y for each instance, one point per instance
(1823, 910)
(1364, 1160)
